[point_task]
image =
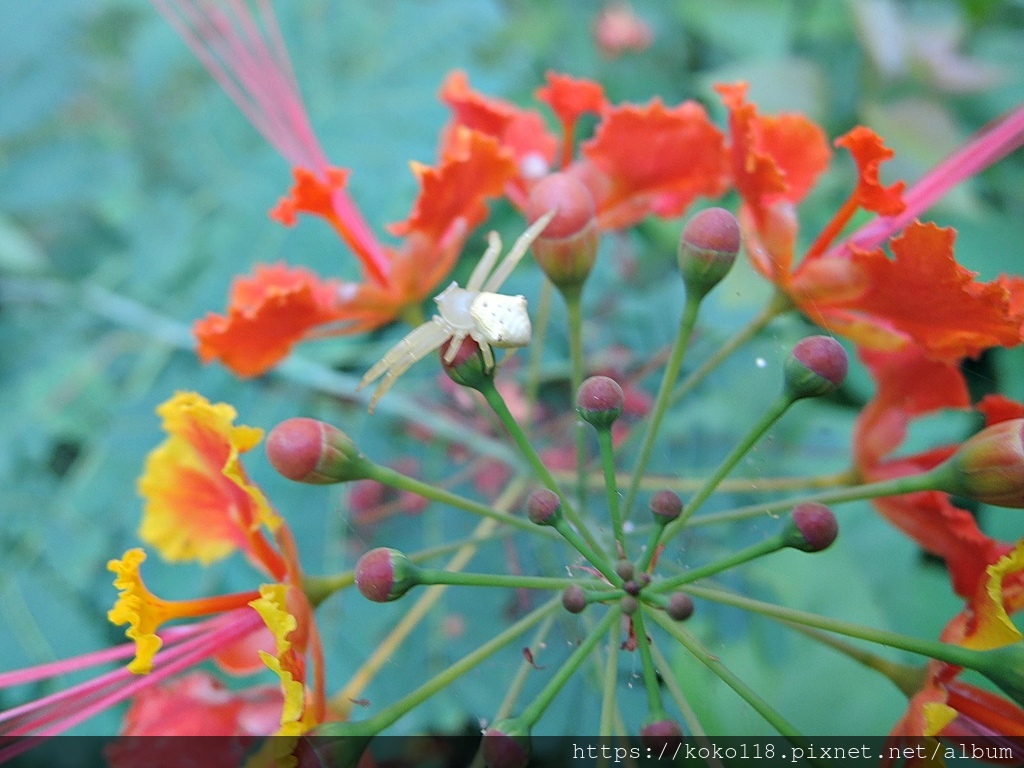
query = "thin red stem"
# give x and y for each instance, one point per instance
(833, 228)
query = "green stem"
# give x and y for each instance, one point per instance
(953, 654)
(536, 708)
(712, 662)
(393, 479)
(497, 403)
(668, 381)
(682, 704)
(909, 679)
(574, 306)
(610, 682)
(898, 486)
(525, 667)
(459, 578)
(604, 439)
(319, 588)
(766, 547)
(593, 556)
(391, 714)
(779, 304)
(542, 316)
(654, 704)
(762, 425)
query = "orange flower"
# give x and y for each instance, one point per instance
(681, 156)
(278, 306)
(921, 296)
(201, 505)
(946, 706)
(987, 573)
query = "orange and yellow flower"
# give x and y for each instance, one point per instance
(200, 505)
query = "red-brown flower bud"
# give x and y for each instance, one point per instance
(467, 368)
(506, 744)
(816, 366)
(680, 606)
(314, 452)
(383, 575)
(707, 250)
(574, 599)
(989, 466)
(662, 736)
(666, 506)
(599, 401)
(567, 247)
(813, 527)
(544, 507)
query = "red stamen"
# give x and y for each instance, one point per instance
(245, 53)
(833, 228)
(989, 145)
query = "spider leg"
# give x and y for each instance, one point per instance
(486, 263)
(516, 253)
(453, 348)
(415, 346)
(485, 348)
(430, 340)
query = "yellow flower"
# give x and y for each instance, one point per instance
(144, 612)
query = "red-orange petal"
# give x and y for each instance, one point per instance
(997, 408)
(570, 98)
(653, 159)
(473, 168)
(908, 385)
(521, 131)
(268, 313)
(869, 152)
(197, 704)
(925, 297)
(310, 194)
(772, 158)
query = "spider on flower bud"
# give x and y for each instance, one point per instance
(476, 311)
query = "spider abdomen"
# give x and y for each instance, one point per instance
(501, 320)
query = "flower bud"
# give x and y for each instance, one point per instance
(628, 604)
(544, 507)
(666, 506)
(383, 575)
(467, 368)
(506, 744)
(567, 247)
(989, 466)
(314, 452)
(574, 599)
(680, 606)
(599, 401)
(816, 366)
(662, 736)
(625, 569)
(707, 250)
(812, 527)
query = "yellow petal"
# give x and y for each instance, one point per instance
(994, 628)
(199, 504)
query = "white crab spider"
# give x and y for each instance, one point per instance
(491, 319)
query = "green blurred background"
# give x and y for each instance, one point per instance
(132, 191)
